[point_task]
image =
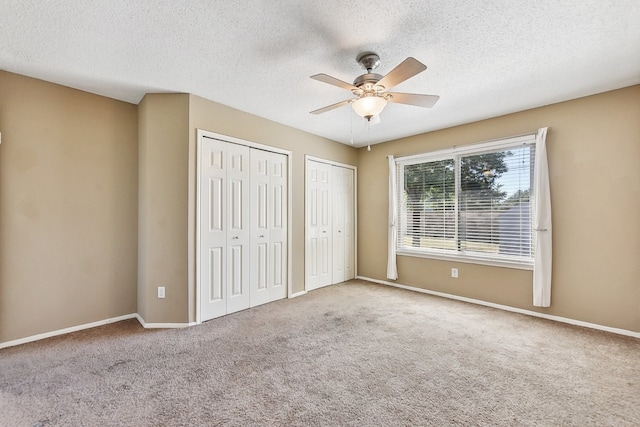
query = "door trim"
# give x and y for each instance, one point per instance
(328, 162)
(307, 158)
(201, 134)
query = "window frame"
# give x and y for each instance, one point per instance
(456, 153)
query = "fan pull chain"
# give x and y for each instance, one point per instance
(351, 134)
(369, 134)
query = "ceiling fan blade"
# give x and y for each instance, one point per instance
(331, 107)
(405, 70)
(426, 101)
(333, 81)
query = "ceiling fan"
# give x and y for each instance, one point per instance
(371, 90)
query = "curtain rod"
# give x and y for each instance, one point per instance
(531, 133)
(486, 141)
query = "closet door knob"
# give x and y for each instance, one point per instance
(235, 237)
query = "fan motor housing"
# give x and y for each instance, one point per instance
(370, 78)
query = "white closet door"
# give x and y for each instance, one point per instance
(338, 213)
(349, 224)
(318, 270)
(268, 226)
(260, 186)
(243, 226)
(278, 225)
(330, 224)
(238, 227)
(213, 233)
(343, 224)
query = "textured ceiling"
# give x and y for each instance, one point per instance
(485, 57)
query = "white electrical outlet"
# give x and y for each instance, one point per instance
(160, 291)
(454, 273)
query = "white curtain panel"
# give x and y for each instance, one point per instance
(392, 269)
(542, 225)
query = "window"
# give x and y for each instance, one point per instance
(470, 203)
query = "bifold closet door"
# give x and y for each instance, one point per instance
(243, 201)
(224, 228)
(213, 229)
(279, 227)
(268, 226)
(319, 236)
(238, 227)
(330, 226)
(349, 224)
(342, 185)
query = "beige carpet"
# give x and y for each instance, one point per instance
(354, 354)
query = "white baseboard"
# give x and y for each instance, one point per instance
(93, 325)
(298, 294)
(66, 330)
(508, 308)
(163, 325)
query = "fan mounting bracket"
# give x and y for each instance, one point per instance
(369, 61)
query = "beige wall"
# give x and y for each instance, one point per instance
(68, 207)
(163, 121)
(593, 151)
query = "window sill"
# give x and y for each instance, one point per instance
(469, 259)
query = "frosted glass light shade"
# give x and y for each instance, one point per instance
(369, 106)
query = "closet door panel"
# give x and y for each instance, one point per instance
(269, 223)
(260, 259)
(238, 227)
(278, 226)
(213, 239)
(349, 224)
(338, 200)
(318, 237)
(325, 206)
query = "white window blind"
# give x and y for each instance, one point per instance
(472, 203)
(429, 205)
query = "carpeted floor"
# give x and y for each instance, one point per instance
(354, 354)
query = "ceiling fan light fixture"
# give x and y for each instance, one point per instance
(370, 89)
(369, 106)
